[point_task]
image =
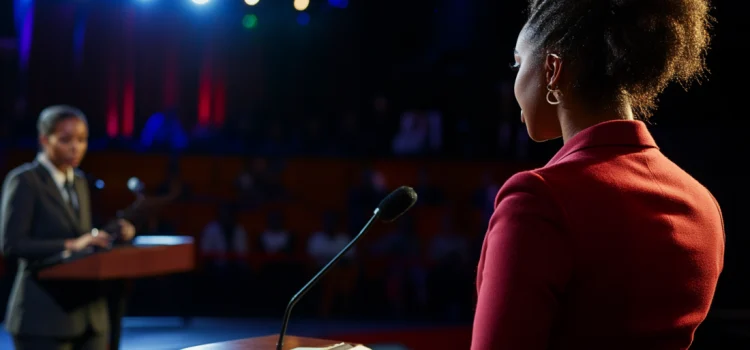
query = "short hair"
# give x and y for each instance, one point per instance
(625, 48)
(51, 116)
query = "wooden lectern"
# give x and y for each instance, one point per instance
(149, 256)
(266, 343)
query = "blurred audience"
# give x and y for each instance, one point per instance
(412, 137)
(258, 183)
(401, 249)
(369, 192)
(224, 242)
(484, 196)
(413, 262)
(429, 193)
(173, 186)
(323, 245)
(340, 282)
(421, 132)
(276, 239)
(379, 124)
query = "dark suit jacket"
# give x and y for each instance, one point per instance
(34, 224)
(609, 246)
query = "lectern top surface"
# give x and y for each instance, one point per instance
(161, 240)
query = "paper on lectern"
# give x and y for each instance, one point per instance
(340, 346)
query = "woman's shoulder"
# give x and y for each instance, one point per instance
(23, 174)
(530, 181)
(23, 170)
(531, 185)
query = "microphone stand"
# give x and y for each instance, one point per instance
(319, 275)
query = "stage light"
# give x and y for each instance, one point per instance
(201, 2)
(301, 5)
(303, 18)
(250, 21)
(252, 2)
(339, 3)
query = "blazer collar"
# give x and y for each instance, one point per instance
(609, 133)
(52, 189)
(58, 176)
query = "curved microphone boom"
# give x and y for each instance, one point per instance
(390, 208)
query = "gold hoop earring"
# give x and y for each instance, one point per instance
(550, 93)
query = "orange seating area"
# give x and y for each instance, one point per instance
(315, 185)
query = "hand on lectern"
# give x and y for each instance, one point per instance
(95, 238)
(124, 230)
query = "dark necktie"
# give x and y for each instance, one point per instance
(72, 196)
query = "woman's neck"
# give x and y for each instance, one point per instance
(64, 168)
(573, 121)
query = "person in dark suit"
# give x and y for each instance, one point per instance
(45, 211)
(610, 245)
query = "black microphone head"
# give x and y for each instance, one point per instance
(397, 203)
(135, 185)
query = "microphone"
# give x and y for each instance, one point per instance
(390, 208)
(132, 213)
(135, 185)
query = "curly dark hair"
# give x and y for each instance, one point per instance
(625, 49)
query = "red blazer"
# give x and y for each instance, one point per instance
(609, 246)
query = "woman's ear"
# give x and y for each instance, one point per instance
(553, 66)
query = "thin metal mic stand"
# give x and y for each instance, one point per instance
(319, 275)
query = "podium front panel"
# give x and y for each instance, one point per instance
(126, 263)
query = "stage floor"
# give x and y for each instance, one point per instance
(161, 333)
(166, 333)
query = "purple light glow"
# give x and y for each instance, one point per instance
(25, 12)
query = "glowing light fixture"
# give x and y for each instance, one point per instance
(301, 5)
(250, 21)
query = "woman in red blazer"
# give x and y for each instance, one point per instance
(610, 245)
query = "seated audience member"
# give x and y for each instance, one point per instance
(326, 243)
(248, 187)
(280, 268)
(276, 239)
(365, 196)
(406, 276)
(412, 137)
(224, 239)
(341, 281)
(173, 187)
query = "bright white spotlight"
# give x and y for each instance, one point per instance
(252, 2)
(301, 5)
(201, 2)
